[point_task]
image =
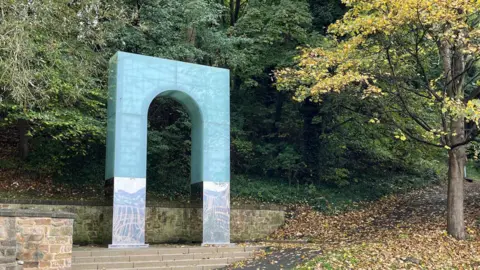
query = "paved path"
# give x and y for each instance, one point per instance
(278, 258)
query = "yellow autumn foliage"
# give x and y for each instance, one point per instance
(381, 46)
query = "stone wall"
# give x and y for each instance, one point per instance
(185, 224)
(7, 243)
(166, 223)
(39, 239)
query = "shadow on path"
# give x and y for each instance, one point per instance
(278, 258)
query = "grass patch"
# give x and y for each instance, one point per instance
(324, 261)
(473, 170)
(324, 198)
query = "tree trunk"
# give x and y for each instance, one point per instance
(278, 112)
(192, 39)
(453, 64)
(22, 126)
(232, 12)
(455, 219)
(237, 12)
(224, 20)
(456, 163)
(191, 35)
(309, 110)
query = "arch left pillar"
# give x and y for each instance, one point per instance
(134, 81)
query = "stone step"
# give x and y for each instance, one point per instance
(198, 267)
(204, 267)
(159, 251)
(155, 257)
(183, 258)
(156, 264)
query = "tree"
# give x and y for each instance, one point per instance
(274, 29)
(415, 63)
(184, 30)
(50, 72)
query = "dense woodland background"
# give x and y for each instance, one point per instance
(53, 71)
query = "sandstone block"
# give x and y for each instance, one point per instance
(43, 221)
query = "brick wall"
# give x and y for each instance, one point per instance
(41, 240)
(164, 223)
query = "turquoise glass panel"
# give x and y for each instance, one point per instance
(134, 81)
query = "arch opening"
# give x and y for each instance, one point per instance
(168, 150)
(191, 107)
(169, 170)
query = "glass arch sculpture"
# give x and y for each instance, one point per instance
(134, 81)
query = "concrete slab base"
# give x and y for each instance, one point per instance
(128, 246)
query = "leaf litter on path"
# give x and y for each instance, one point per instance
(395, 232)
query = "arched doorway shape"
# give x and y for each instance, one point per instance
(134, 81)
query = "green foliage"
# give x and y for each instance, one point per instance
(51, 77)
(43, 61)
(274, 28)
